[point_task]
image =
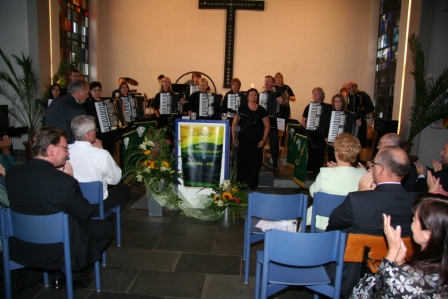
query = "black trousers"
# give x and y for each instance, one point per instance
(118, 194)
(248, 162)
(316, 155)
(273, 146)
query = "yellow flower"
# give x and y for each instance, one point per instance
(227, 196)
(151, 164)
(234, 189)
(165, 164)
(216, 197)
(147, 152)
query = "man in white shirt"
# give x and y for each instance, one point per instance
(92, 163)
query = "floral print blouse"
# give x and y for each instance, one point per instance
(393, 281)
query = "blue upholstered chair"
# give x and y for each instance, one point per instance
(291, 259)
(323, 205)
(269, 207)
(46, 229)
(93, 192)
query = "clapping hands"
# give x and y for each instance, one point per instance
(397, 248)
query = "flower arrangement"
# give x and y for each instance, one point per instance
(154, 164)
(229, 196)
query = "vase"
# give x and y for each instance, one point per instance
(154, 207)
(226, 214)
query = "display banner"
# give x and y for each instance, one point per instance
(203, 151)
(300, 148)
(291, 131)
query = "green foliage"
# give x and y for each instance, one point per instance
(430, 101)
(21, 90)
(228, 195)
(154, 162)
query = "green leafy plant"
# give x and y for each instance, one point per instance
(431, 96)
(21, 90)
(153, 164)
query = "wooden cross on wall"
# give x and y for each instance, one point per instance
(231, 6)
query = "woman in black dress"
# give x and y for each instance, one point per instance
(250, 130)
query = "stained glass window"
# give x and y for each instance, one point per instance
(386, 58)
(74, 33)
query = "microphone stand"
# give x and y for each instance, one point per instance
(234, 147)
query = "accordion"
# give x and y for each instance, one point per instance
(169, 103)
(207, 102)
(342, 122)
(316, 114)
(268, 100)
(234, 102)
(110, 115)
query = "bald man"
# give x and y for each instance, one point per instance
(362, 211)
(415, 180)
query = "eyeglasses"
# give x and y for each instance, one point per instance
(66, 148)
(94, 130)
(371, 164)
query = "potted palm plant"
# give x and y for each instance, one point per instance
(430, 104)
(21, 91)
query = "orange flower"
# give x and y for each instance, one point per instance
(227, 196)
(216, 197)
(147, 152)
(165, 164)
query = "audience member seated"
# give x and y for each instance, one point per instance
(93, 163)
(341, 177)
(361, 212)
(414, 181)
(440, 171)
(6, 158)
(39, 188)
(426, 274)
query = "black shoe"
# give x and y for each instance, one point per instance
(58, 284)
(82, 283)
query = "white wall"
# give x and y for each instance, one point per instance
(15, 39)
(313, 43)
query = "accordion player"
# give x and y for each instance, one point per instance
(167, 103)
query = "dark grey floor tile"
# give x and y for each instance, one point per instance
(228, 246)
(139, 240)
(210, 264)
(142, 259)
(227, 286)
(113, 295)
(48, 293)
(185, 244)
(172, 284)
(117, 279)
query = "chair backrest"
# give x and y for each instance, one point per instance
(371, 138)
(277, 207)
(93, 192)
(304, 250)
(39, 229)
(365, 155)
(323, 205)
(369, 249)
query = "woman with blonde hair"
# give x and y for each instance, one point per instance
(341, 177)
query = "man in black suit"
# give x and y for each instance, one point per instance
(362, 211)
(414, 181)
(39, 187)
(62, 111)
